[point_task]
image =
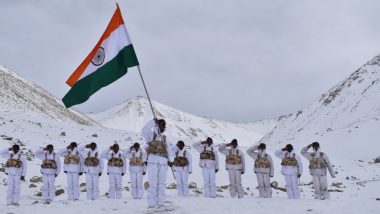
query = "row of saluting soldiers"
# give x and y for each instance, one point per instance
(155, 159)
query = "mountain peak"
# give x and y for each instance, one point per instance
(134, 113)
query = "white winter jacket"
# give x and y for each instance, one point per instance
(181, 153)
(207, 163)
(108, 154)
(45, 155)
(290, 170)
(72, 167)
(230, 151)
(12, 170)
(86, 152)
(255, 153)
(317, 154)
(133, 153)
(148, 132)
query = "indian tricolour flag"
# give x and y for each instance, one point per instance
(107, 62)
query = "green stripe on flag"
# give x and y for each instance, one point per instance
(105, 75)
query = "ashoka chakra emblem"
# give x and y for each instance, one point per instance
(99, 57)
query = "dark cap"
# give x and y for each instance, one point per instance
(262, 146)
(289, 147)
(315, 145)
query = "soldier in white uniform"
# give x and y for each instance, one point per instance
(318, 163)
(291, 168)
(235, 165)
(15, 169)
(263, 169)
(158, 159)
(73, 167)
(117, 166)
(182, 166)
(209, 162)
(50, 169)
(93, 167)
(137, 169)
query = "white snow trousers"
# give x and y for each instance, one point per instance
(137, 190)
(182, 177)
(48, 186)
(292, 186)
(73, 185)
(209, 183)
(157, 181)
(92, 186)
(13, 192)
(263, 180)
(115, 185)
(320, 187)
(236, 187)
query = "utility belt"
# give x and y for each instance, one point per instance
(136, 161)
(233, 159)
(91, 162)
(207, 155)
(180, 161)
(115, 162)
(13, 163)
(72, 159)
(49, 164)
(158, 148)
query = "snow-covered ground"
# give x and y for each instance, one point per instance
(359, 191)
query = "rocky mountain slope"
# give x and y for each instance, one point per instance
(346, 119)
(21, 96)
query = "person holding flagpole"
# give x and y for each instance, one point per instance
(159, 152)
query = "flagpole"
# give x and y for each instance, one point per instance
(146, 91)
(154, 114)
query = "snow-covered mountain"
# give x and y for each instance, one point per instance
(345, 120)
(134, 113)
(21, 96)
(31, 117)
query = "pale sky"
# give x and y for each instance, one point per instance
(239, 60)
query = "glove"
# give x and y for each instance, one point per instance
(190, 173)
(100, 174)
(108, 173)
(146, 163)
(22, 178)
(65, 172)
(170, 164)
(56, 175)
(122, 174)
(299, 175)
(144, 173)
(216, 170)
(242, 172)
(81, 173)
